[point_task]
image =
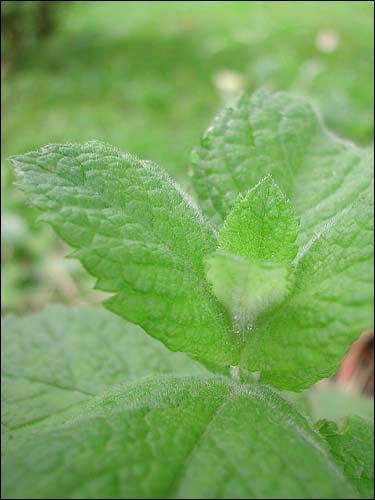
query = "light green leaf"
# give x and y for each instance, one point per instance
(260, 232)
(56, 360)
(176, 437)
(140, 235)
(262, 225)
(352, 446)
(329, 182)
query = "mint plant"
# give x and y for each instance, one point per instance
(259, 291)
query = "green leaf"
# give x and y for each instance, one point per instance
(352, 446)
(176, 437)
(144, 241)
(278, 134)
(140, 235)
(260, 232)
(56, 360)
(329, 182)
(304, 339)
(262, 225)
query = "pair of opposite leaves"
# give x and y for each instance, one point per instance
(278, 287)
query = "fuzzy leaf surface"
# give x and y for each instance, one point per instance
(58, 359)
(262, 225)
(142, 238)
(175, 437)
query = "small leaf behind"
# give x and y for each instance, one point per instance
(352, 446)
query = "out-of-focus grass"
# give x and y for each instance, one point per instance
(148, 77)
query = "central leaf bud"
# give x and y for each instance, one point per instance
(253, 268)
(247, 287)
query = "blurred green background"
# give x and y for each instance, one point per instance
(148, 77)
